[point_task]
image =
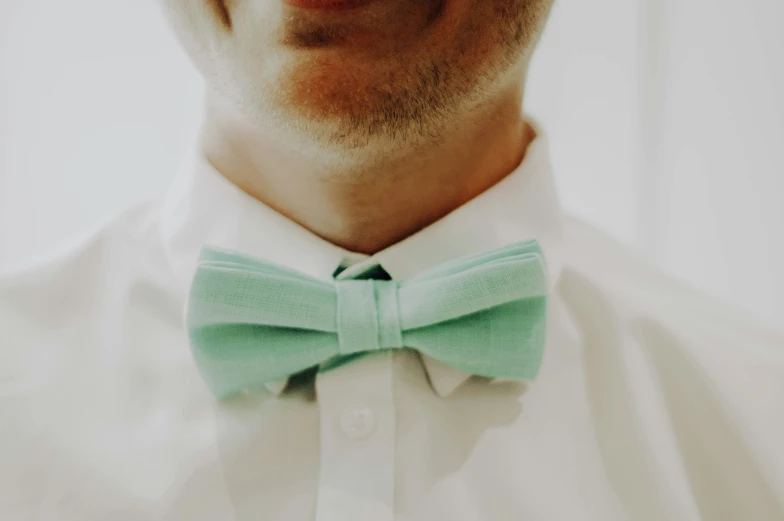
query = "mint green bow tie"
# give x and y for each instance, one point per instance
(251, 322)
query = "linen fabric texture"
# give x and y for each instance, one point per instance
(252, 322)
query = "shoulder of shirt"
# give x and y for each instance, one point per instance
(666, 363)
(67, 284)
(640, 293)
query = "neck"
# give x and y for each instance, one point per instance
(365, 206)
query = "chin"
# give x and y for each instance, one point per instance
(396, 71)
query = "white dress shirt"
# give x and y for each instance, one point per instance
(653, 402)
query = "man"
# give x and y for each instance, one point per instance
(360, 300)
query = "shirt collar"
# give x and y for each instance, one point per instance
(204, 208)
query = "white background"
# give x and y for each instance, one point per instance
(666, 120)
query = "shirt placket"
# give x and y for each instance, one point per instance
(357, 425)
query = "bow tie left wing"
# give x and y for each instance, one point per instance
(252, 322)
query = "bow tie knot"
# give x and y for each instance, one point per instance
(368, 315)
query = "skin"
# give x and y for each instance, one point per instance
(363, 125)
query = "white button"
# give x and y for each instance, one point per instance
(357, 423)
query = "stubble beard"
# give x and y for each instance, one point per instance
(374, 116)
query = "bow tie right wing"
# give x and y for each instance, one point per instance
(499, 296)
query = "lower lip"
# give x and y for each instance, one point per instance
(330, 5)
